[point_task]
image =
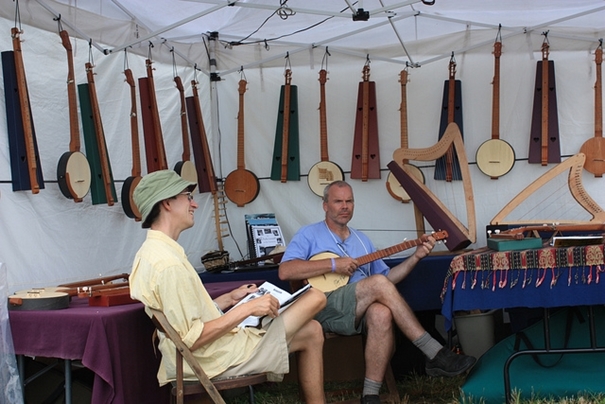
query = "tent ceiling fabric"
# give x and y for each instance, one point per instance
(399, 31)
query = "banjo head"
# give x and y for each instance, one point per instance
(241, 187)
(38, 299)
(130, 208)
(186, 169)
(396, 189)
(322, 174)
(73, 175)
(495, 158)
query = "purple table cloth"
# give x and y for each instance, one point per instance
(114, 342)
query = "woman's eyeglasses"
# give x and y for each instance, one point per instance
(189, 195)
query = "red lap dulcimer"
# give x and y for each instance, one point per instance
(154, 144)
(594, 148)
(544, 140)
(365, 163)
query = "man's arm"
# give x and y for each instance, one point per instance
(399, 272)
(298, 269)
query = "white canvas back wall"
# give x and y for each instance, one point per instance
(46, 239)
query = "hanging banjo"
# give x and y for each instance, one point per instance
(324, 172)
(393, 185)
(73, 170)
(130, 208)
(241, 185)
(495, 157)
(185, 168)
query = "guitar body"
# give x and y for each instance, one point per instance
(495, 157)
(395, 188)
(130, 208)
(330, 281)
(241, 187)
(73, 175)
(322, 174)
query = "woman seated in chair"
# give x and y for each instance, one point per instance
(162, 278)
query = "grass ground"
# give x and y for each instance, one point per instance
(413, 389)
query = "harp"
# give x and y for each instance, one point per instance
(574, 165)
(435, 212)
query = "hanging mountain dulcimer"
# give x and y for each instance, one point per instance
(286, 162)
(152, 128)
(102, 185)
(495, 157)
(203, 164)
(185, 168)
(448, 167)
(326, 171)
(130, 208)
(594, 148)
(366, 157)
(73, 170)
(241, 185)
(544, 140)
(25, 161)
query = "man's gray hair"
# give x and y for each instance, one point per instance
(338, 184)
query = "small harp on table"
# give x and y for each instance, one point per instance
(365, 163)
(435, 212)
(574, 165)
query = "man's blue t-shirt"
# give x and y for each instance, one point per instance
(318, 238)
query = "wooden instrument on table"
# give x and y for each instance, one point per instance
(366, 153)
(102, 185)
(330, 281)
(152, 128)
(435, 212)
(574, 165)
(518, 233)
(34, 171)
(448, 167)
(185, 168)
(286, 162)
(130, 208)
(57, 297)
(73, 170)
(495, 157)
(393, 186)
(325, 172)
(241, 185)
(544, 140)
(594, 148)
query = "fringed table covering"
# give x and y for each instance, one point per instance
(501, 279)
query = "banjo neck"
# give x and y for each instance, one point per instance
(134, 127)
(496, 92)
(74, 138)
(403, 110)
(598, 124)
(285, 128)
(241, 160)
(323, 120)
(183, 114)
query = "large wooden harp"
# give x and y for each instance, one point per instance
(574, 165)
(435, 212)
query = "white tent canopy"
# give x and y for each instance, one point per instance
(46, 239)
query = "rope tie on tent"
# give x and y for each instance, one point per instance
(324, 60)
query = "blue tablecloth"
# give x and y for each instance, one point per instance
(546, 277)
